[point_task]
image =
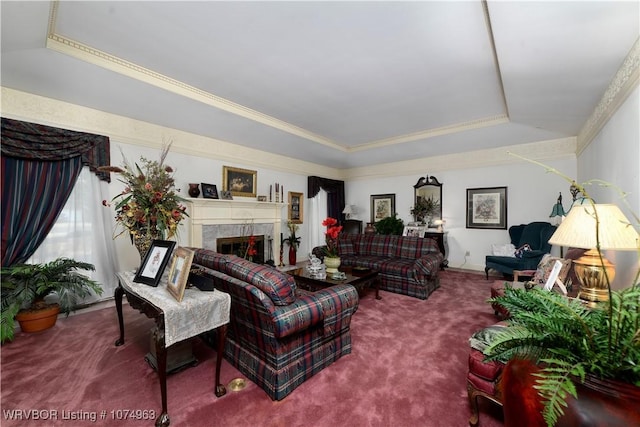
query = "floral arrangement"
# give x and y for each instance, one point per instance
(331, 236)
(149, 204)
(292, 240)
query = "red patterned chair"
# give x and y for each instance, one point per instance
(484, 379)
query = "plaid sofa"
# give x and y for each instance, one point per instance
(405, 264)
(279, 336)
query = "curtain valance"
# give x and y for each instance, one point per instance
(31, 141)
(335, 193)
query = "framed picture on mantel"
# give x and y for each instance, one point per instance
(240, 182)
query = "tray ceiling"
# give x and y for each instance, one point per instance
(342, 84)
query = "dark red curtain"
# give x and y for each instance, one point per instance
(40, 165)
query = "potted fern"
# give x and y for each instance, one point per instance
(581, 356)
(25, 286)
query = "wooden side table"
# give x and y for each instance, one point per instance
(441, 239)
(176, 321)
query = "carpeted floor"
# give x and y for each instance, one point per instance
(408, 368)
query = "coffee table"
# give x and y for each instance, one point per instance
(359, 279)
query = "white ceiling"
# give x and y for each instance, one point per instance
(342, 84)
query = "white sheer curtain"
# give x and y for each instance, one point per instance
(317, 214)
(84, 232)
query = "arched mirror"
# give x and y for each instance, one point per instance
(428, 200)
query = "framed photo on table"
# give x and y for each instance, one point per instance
(154, 262)
(240, 182)
(179, 272)
(382, 206)
(295, 207)
(414, 230)
(487, 208)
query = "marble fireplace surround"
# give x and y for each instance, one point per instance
(210, 219)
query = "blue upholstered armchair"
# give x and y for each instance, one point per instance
(536, 235)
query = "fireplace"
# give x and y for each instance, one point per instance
(213, 219)
(238, 246)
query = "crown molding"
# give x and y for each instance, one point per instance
(624, 82)
(38, 109)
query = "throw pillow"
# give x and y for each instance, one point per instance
(503, 250)
(521, 250)
(546, 265)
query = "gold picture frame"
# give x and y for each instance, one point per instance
(240, 182)
(179, 272)
(296, 204)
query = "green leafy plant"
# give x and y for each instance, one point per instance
(390, 225)
(425, 207)
(293, 240)
(24, 286)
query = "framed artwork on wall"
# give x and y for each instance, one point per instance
(487, 208)
(240, 182)
(295, 207)
(209, 191)
(154, 263)
(382, 206)
(179, 272)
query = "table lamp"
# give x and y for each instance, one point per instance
(348, 211)
(579, 230)
(439, 223)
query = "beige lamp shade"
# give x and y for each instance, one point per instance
(578, 230)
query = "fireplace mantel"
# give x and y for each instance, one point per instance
(204, 212)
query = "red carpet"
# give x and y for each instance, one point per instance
(408, 368)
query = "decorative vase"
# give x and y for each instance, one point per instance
(194, 190)
(332, 264)
(38, 320)
(142, 241)
(369, 229)
(292, 255)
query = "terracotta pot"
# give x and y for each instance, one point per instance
(292, 255)
(38, 320)
(369, 229)
(332, 264)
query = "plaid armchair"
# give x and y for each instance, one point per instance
(279, 336)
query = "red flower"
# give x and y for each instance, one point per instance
(331, 236)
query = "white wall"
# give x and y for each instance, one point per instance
(200, 169)
(531, 194)
(614, 156)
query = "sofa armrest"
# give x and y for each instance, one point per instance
(338, 302)
(305, 312)
(428, 265)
